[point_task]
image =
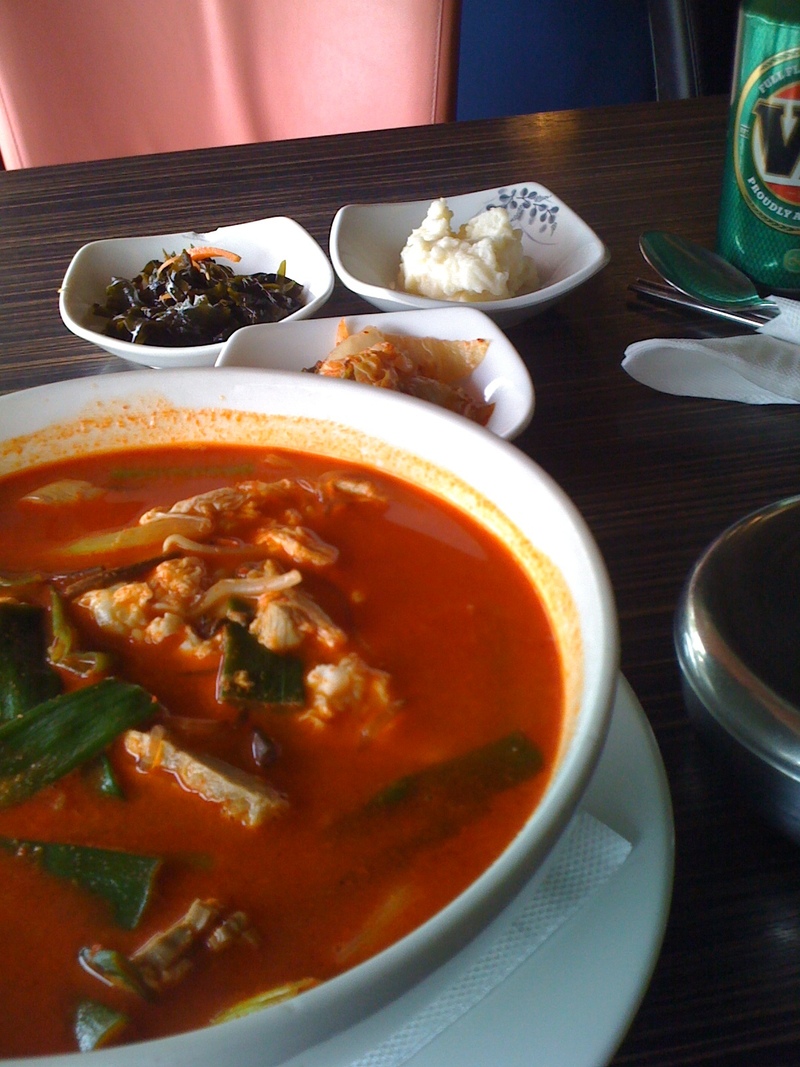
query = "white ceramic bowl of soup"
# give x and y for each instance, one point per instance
(464, 465)
(366, 241)
(262, 245)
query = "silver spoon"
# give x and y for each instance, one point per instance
(700, 273)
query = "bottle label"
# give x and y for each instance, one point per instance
(766, 155)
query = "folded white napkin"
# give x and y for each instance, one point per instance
(757, 368)
(586, 857)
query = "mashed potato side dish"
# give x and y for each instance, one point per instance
(483, 260)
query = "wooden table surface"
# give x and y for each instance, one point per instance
(656, 477)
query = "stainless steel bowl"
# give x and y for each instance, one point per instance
(737, 637)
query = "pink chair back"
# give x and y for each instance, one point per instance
(92, 79)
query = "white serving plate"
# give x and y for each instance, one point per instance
(263, 246)
(501, 378)
(571, 1002)
(366, 240)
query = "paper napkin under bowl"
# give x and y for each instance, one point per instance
(587, 856)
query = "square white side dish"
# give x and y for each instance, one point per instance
(501, 378)
(366, 240)
(263, 245)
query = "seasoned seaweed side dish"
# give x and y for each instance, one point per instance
(190, 299)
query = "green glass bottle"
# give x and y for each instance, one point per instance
(759, 216)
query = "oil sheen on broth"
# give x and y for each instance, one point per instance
(329, 702)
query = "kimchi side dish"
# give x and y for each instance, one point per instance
(260, 717)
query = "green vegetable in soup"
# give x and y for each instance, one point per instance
(59, 735)
(62, 650)
(251, 673)
(100, 773)
(113, 968)
(131, 476)
(147, 537)
(20, 581)
(264, 1000)
(471, 778)
(124, 879)
(449, 793)
(97, 1025)
(26, 678)
(63, 493)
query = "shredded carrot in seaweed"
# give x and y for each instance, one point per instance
(209, 251)
(198, 254)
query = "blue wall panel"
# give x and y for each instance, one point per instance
(518, 57)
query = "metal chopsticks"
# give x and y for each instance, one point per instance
(660, 292)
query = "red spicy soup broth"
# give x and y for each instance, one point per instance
(422, 593)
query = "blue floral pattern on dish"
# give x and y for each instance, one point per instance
(529, 209)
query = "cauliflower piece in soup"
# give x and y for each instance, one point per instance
(483, 260)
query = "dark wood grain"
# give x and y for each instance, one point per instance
(657, 477)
